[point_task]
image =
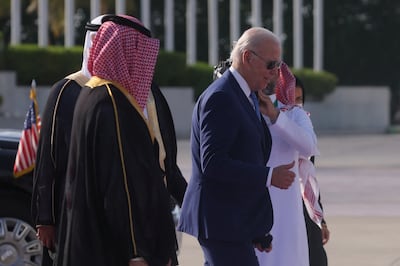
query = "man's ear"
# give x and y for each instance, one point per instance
(246, 56)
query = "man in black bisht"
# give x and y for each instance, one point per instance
(54, 144)
(118, 205)
(52, 153)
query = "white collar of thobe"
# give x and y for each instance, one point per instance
(273, 97)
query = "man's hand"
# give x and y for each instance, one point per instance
(142, 262)
(263, 244)
(325, 234)
(267, 107)
(282, 177)
(46, 235)
(268, 249)
(138, 262)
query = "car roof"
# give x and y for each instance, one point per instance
(10, 134)
(9, 138)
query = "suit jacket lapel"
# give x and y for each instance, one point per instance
(261, 125)
(244, 101)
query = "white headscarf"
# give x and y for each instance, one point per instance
(89, 37)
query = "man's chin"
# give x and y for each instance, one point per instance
(270, 88)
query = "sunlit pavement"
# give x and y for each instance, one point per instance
(359, 176)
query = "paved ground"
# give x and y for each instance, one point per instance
(359, 177)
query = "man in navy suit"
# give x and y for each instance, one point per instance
(227, 204)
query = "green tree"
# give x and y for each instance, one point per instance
(362, 44)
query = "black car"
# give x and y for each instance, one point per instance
(18, 242)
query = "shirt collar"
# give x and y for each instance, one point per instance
(242, 82)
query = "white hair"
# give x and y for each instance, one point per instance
(251, 39)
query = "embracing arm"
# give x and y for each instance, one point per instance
(298, 131)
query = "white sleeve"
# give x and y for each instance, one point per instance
(269, 177)
(295, 127)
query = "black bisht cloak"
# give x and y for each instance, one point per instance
(117, 203)
(52, 154)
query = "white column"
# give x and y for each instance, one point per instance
(212, 32)
(169, 25)
(277, 17)
(234, 19)
(191, 36)
(297, 33)
(69, 23)
(256, 13)
(15, 22)
(145, 13)
(318, 35)
(120, 7)
(43, 23)
(94, 9)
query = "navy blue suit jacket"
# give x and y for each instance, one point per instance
(227, 198)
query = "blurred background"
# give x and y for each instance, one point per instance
(329, 44)
(345, 51)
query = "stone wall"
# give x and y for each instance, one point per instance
(361, 109)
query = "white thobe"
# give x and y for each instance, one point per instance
(292, 136)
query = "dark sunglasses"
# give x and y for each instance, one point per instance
(268, 64)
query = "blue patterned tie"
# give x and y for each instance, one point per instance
(256, 106)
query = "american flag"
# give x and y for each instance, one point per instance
(26, 154)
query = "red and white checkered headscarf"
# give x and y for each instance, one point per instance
(286, 86)
(126, 56)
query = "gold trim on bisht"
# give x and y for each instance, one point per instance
(96, 82)
(121, 153)
(153, 122)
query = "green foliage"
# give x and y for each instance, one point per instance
(1, 51)
(45, 65)
(169, 69)
(48, 65)
(2, 60)
(199, 76)
(317, 83)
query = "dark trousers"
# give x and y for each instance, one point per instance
(316, 250)
(226, 253)
(46, 259)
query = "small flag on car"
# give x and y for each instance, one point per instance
(26, 154)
